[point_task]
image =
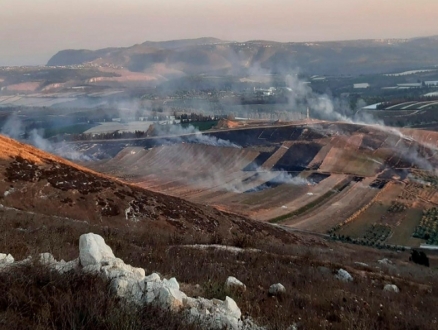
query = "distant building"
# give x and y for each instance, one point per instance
(409, 85)
(431, 83)
(361, 85)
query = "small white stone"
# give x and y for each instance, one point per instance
(391, 288)
(276, 289)
(344, 276)
(232, 284)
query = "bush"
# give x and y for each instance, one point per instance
(419, 257)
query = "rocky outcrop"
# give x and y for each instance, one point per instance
(131, 284)
(92, 250)
(6, 259)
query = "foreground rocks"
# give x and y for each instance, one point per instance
(6, 259)
(233, 285)
(276, 289)
(391, 288)
(132, 284)
(344, 276)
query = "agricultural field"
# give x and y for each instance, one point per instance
(428, 227)
(358, 183)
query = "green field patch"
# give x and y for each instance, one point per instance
(72, 129)
(428, 226)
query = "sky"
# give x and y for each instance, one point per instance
(31, 31)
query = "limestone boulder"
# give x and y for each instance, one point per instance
(128, 288)
(233, 285)
(112, 268)
(171, 298)
(6, 259)
(344, 276)
(92, 250)
(46, 259)
(391, 288)
(232, 308)
(64, 267)
(276, 289)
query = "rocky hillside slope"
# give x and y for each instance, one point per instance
(35, 182)
(324, 284)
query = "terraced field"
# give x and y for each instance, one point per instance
(314, 176)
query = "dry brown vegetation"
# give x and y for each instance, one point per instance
(314, 298)
(38, 299)
(34, 297)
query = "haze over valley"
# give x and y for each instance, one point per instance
(273, 182)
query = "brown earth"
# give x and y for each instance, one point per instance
(266, 179)
(36, 182)
(48, 202)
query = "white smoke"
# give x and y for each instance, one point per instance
(191, 134)
(325, 107)
(287, 178)
(15, 129)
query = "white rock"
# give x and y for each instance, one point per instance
(276, 289)
(64, 267)
(231, 306)
(384, 261)
(92, 249)
(190, 302)
(344, 276)
(119, 287)
(112, 268)
(46, 258)
(361, 264)
(391, 288)
(127, 288)
(171, 298)
(154, 277)
(6, 258)
(150, 297)
(233, 284)
(172, 283)
(92, 269)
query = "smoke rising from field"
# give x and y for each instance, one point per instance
(325, 107)
(15, 129)
(191, 134)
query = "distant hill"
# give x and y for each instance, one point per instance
(210, 55)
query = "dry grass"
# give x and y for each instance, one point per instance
(314, 299)
(33, 297)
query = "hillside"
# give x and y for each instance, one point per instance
(210, 55)
(47, 203)
(37, 183)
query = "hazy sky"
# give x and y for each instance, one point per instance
(33, 30)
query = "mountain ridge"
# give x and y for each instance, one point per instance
(212, 55)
